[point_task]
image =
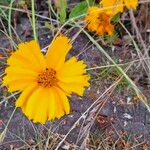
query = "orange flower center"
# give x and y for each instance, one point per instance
(47, 78)
(104, 18)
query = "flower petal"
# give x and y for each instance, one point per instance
(28, 56)
(113, 6)
(71, 67)
(59, 112)
(81, 80)
(21, 72)
(52, 108)
(18, 78)
(23, 98)
(73, 87)
(43, 104)
(57, 52)
(131, 4)
(17, 84)
(63, 100)
(35, 107)
(71, 77)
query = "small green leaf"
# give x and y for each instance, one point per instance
(61, 6)
(80, 8)
(116, 18)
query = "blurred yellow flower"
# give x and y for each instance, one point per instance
(99, 21)
(45, 81)
(115, 6)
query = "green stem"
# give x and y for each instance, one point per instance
(33, 20)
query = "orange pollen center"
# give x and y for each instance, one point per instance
(104, 18)
(47, 78)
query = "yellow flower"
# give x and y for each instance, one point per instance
(131, 4)
(45, 81)
(115, 6)
(99, 21)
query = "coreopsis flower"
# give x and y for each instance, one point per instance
(45, 81)
(115, 6)
(99, 21)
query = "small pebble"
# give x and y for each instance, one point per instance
(128, 116)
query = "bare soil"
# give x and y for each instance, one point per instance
(120, 112)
